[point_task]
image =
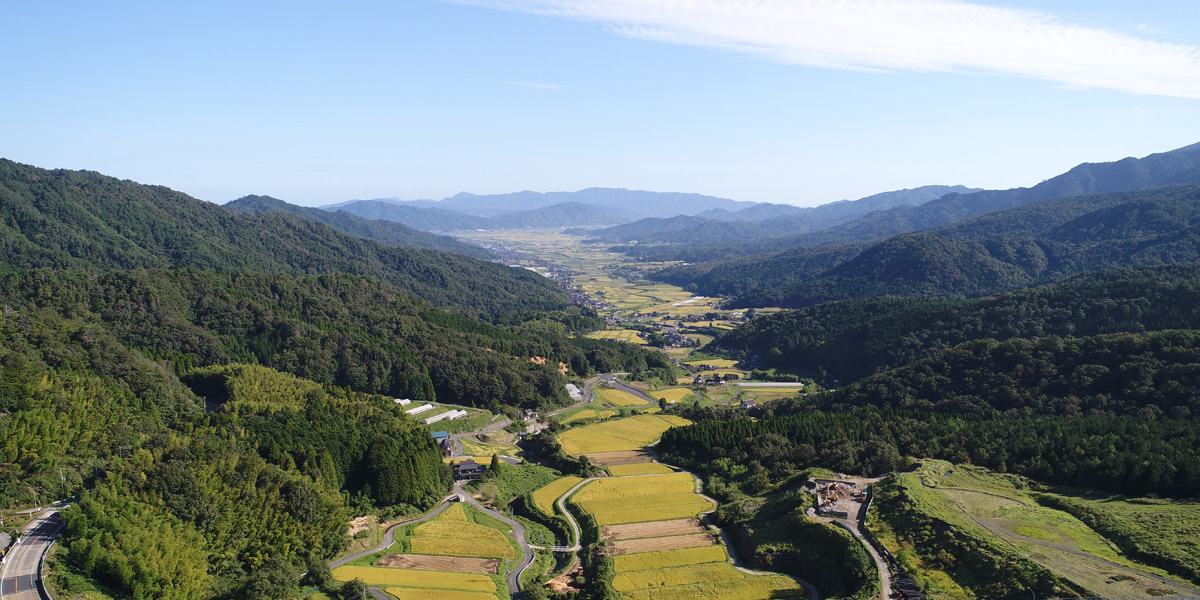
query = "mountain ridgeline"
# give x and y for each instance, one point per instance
(83, 220)
(1010, 249)
(385, 232)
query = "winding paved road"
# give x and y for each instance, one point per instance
(389, 536)
(18, 579)
(514, 575)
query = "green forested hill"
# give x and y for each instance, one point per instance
(83, 220)
(854, 338)
(385, 232)
(336, 329)
(183, 504)
(1007, 250)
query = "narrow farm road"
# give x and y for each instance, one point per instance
(616, 382)
(885, 576)
(514, 575)
(389, 536)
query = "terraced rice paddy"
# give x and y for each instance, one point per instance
(619, 398)
(620, 500)
(621, 335)
(675, 542)
(669, 558)
(416, 594)
(584, 413)
(719, 363)
(652, 529)
(622, 457)
(624, 434)
(639, 469)
(430, 580)
(544, 497)
(451, 534)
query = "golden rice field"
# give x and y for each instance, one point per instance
(626, 487)
(621, 335)
(544, 497)
(687, 575)
(619, 398)
(620, 500)
(586, 413)
(672, 395)
(639, 469)
(720, 363)
(438, 580)
(656, 513)
(765, 587)
(452, 535)
(475, 448)
(622, 434)
(644, 561)
(418, 594)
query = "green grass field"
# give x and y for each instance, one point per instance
(1002, 508)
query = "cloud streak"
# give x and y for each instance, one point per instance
(898, 35)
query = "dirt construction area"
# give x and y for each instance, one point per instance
(651, 529)
(675, 542)
(624, 457)
(425, 562)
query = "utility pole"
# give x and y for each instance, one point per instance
(64, 482)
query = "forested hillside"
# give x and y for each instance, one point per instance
(1008, 250)
(389, 233)
(851, 339)
(83, 220)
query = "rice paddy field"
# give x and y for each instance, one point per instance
(636, 499)
(476, 448)
(720, 363)
(630, 433)
(639, 469)
(584, 413)
(544, 497)
(621, 335)
(456, 555)
(671, 395)
(619, 398)
(1002, 508)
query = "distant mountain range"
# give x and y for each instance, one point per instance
(1036, 243)
(763, 220)
(383, 231)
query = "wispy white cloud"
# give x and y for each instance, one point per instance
(898, 35)
(544, 86)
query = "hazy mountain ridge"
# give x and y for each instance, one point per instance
(766, 220)
(386, 232)
(1020, 247)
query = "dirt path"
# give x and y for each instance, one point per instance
(885, 575)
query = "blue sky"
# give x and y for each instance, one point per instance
(772, 100)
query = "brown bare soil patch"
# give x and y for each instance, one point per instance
(675, 542)
(538, 360)
(624, 457)
(651, 529)
(360, 524)
(425, 562)
(562, 583)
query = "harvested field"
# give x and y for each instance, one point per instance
(544, 497)
(425, 562)
(468, 548)
(419, 594)
(639, 469)
(632, 433)
(382, 576)
(623, 457)
(675, 542)
(660, 578)
(655, 529)
(669, 558)
(769, 587)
